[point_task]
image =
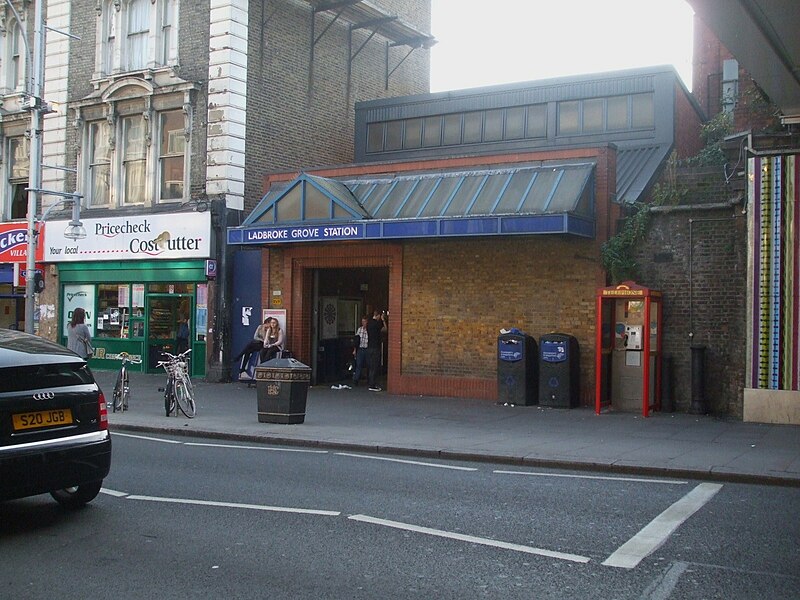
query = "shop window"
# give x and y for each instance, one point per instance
(172, 149)
(642, 115)
(99, 164)
(170, 288)
(113, 311)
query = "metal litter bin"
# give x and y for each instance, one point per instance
(282, 389)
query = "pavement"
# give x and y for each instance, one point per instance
(664, 444)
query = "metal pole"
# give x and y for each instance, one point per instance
(35, 176)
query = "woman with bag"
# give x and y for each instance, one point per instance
(79, 340)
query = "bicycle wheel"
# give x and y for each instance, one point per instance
(169, 397)
(116, 397)
(185, 398)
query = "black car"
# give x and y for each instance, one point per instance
(53, 422)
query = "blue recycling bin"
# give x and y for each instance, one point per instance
(516, 369)
(559, 371)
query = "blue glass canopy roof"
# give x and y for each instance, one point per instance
(534, 198)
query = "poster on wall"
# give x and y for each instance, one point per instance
(201, 313)
(78, 296)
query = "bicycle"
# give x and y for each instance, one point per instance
(122, 387)
(178, 393)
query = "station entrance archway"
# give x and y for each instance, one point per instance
(317, 274)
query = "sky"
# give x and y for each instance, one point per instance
(490, 42)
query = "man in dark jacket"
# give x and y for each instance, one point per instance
(375, 329)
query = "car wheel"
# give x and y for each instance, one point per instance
(78, 496)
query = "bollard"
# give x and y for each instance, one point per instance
(698, 406)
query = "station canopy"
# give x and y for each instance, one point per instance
(518, 199)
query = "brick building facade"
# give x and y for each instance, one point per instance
(173, 107)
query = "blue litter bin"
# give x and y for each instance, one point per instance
(559, 371)
(516, 368)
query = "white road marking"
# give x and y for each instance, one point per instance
(114, 493)
(145, 437)
(256, 448)
(155, 439)
(606, 478)
(650, 539)
(470, 539)
(662, 587)
(302, 511)
(408, 462)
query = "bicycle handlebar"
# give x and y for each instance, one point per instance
(176, 356)
(124, 356)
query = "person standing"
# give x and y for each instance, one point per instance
(182, 336)
(360, 350)
(79, 339)
(375, 328)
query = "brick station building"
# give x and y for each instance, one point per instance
(465, 213)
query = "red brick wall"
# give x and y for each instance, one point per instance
(752, 111)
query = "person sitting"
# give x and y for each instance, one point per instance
(273, 341)
(254, 345)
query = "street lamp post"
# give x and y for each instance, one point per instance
(35, 176)
(38, 109)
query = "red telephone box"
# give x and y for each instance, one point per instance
(628, 348)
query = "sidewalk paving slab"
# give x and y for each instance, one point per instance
(672, 444)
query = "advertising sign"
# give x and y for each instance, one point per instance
(14, 243)
(78, 296)
(136, 237)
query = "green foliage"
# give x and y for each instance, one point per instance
(713, 134)
(617, 252)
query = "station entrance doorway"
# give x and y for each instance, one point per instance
(341, 296)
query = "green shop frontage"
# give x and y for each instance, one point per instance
(138, 308)
(139, 279)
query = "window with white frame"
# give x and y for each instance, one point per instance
(13, 63)
(99, 188)
(19, 162)
(171, 155)
(134, 160)
(136, 35)
(119, 154)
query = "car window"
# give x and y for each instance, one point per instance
(18, 379)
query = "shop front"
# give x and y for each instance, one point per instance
(139, 279)
(13, 259)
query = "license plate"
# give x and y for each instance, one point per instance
(42, 418)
